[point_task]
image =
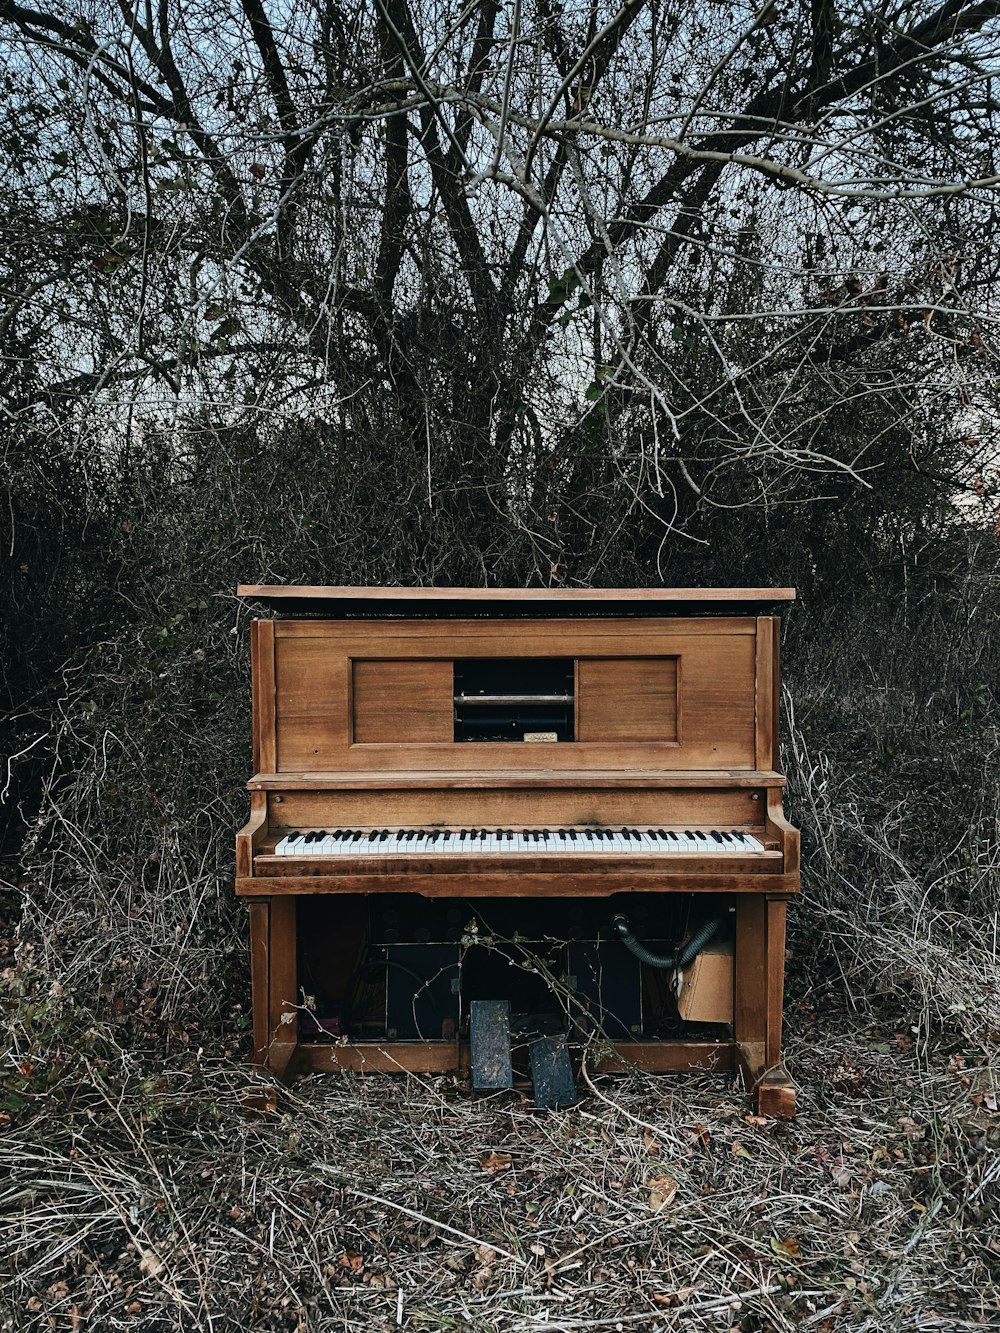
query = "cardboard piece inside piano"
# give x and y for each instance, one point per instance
(627, 738)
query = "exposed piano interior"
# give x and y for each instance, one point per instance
(524, 774)
(409, 969)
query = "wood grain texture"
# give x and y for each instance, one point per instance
(320, 592)
(500, 779)
(518, 807)
(778, 827)
(566, 863)
(438, 1057)
(260, 939)
(777, 909)
(508, 884)
(263, 693)
(750, 1013)
(667, 1057)
(402, 702)
(526, 636)
(252, 833)
(405, 722)
(764, 720)
(772, 1090)
(283, 993)
(627, 699)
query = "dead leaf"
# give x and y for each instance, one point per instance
(662, 1190)
(351, 1260)
(911, 1129)
(496, 1161)
(150, 1264)
(787, 1248)
(650, 1143)
(737, 1149)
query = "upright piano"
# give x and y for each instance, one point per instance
(563, 801)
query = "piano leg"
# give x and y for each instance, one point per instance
(260, 937)
(275, 981)
(760, 979)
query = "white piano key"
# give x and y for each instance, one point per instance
(499, 842)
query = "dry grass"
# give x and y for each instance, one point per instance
(151, 1202)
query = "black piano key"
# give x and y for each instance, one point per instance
(717, 837)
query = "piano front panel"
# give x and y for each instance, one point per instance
(666, 694)
(518, 808)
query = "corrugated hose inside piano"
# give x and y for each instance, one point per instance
(672, 961)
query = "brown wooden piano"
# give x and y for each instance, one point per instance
(466, 796)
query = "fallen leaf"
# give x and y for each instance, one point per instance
(496, 1161)
(787, 1248)
(737, 1149)
(150, 1264)
(649, 1143)
(662, 1190)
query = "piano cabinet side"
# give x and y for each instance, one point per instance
(759, 998)
(251, 835)
(274, 981)
(778, 827)
(262, 684)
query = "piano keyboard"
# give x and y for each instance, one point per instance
(590, 841)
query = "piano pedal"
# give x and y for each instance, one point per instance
(489, 1039)
(551, 1072)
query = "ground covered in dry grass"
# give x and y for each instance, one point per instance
(140, 1200)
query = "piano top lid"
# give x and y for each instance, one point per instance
(367, 603)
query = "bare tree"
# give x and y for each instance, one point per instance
(688, 255)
